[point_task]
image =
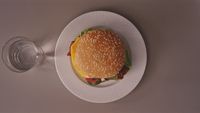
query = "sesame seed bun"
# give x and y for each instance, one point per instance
(98, 53)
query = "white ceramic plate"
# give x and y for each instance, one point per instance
(118, 24)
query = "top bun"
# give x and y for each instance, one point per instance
(99, 53)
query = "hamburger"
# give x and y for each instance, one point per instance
(98, 55)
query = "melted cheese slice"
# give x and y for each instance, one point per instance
(75, 66)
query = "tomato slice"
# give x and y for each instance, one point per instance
(93, 81)
(69, 52)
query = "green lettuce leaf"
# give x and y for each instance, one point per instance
(127, 59)
(85, 31)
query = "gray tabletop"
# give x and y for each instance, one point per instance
(170, 29)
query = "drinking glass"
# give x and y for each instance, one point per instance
(20, 54)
